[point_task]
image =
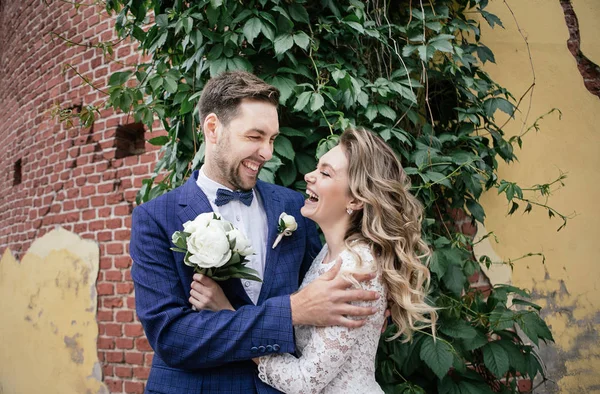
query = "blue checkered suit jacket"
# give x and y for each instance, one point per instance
(210, 352)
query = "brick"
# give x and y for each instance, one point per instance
(469, 229)
(142, 344)
(148, 359)
(122, 262)
(105, 263)
(124, 343)
(114, 357)
(141, 372)
(123, 210)
(524, 385)
(113, 329)
(124, 288)
(122, 235)
(114, 386)
(114, 248)
(113, 276)
(108, 370)
(124, 317)
(105, 343)
(114, 223)
(134, 387)
(134, 330)
(112, 302)
(104, 315)
(134, 358)
(98, 201)
(105, 288)
(123, 372)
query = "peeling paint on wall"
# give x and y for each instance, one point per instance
(48, 341)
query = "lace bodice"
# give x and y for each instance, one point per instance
(332, 359)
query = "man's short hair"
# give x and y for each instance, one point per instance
(223, 94)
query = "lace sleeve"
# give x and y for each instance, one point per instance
(325, 353)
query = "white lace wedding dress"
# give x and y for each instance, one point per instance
(333, 359)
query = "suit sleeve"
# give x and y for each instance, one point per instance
(186, 339)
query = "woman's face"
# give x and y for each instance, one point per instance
(328, 190)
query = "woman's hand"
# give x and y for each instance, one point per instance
(206, 294)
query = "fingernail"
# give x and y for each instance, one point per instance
(373, 310)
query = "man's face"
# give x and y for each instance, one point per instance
(244, 145)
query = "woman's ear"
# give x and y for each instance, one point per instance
(211, 128)
(355, 204)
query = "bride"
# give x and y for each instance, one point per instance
(359, 197)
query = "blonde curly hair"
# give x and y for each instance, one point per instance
(390, 223)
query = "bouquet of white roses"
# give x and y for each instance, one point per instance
(214, 248)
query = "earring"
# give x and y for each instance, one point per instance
(349, 211)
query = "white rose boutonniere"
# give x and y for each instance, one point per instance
(286, 226)
(214, 248)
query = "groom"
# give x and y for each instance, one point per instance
(211, 352)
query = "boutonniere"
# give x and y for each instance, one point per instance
(286, 226)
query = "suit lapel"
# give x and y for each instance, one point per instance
(194, 202)
(273, 206)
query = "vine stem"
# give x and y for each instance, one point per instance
(530, 90)
(87, 81)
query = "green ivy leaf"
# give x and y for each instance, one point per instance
(159, 141)
(476, 342)
(437, 355)
(458, 329)
(386, 111)
(252, 28)
(495, 359)
(283, 147)
(455, 279)
(491, 19)
(218, 66)
(302, 40)
(170, 85)
(356, 26)
(285, 85)
(316, 101)
(283, 43)
(298, 13)
(534, 327)
(302, 101)
(476, 210)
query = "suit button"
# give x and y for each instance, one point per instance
(269, 348)
(254, 349)
(261, 349)
(276, 347)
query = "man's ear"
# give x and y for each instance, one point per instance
(211, 128)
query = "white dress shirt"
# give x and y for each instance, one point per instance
(250, 220)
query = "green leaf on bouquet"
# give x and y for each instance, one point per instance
(179, 238)
(235, 259)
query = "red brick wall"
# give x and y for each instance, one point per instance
(70, 177)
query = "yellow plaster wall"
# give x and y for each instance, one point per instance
(48, 332)
(588, 15)
(567, 286)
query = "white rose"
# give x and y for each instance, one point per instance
(201, 221)
(209, 248)
(240, 243)
(289, 220)
(222, 224)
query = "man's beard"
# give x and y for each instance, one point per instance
(230, 172)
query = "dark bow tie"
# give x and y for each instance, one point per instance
(224, 196)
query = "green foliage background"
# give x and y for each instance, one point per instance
(409, 70)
